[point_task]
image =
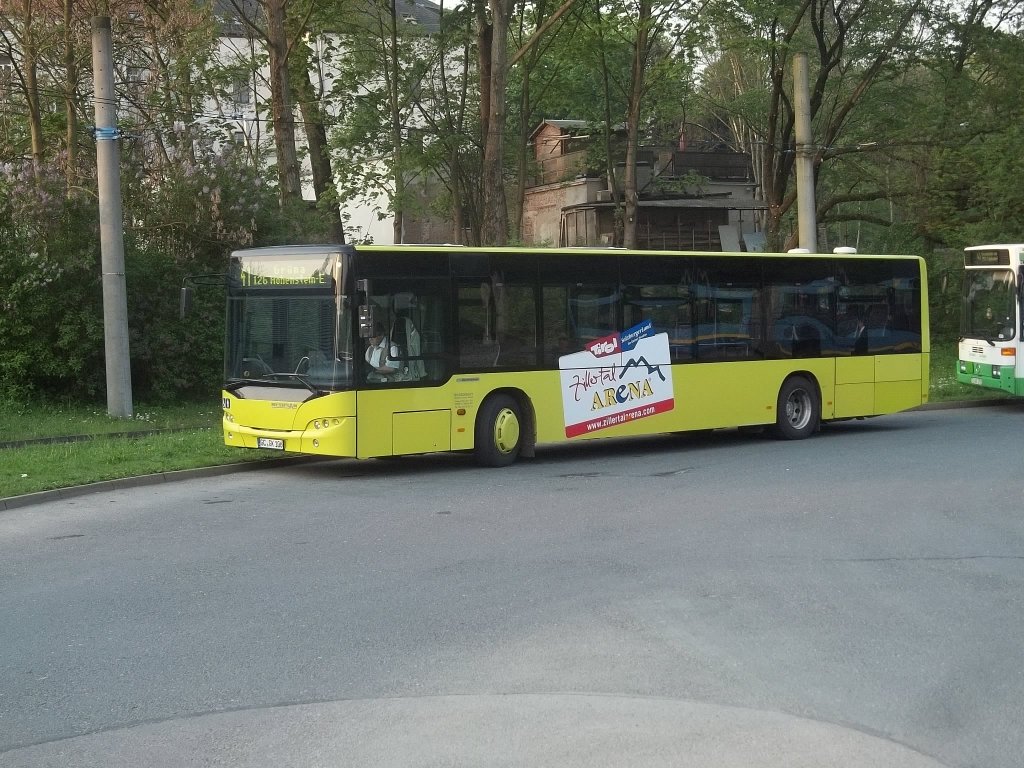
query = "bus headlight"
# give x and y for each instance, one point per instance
(995, 371)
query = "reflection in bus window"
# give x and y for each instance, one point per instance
(877, 308)
(800, 308)
(669, 310)
(497, 322)
(593, 312)
(555, 319)
(727, 304)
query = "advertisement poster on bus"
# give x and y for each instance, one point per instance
(615, 380)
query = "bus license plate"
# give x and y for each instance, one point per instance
(270, 442)
(976, 380)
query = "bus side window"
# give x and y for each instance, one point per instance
(727, 294)
(517, 327)
(497, 325)
(557, 339)
(593, 311)
(799, 308)
(414, 322)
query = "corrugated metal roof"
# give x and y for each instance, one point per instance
(418, 13)
(684, 202)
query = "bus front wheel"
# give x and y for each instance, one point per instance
(499, 431)
(798, 410)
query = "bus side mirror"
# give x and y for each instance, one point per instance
(366, 320)
(184, 302)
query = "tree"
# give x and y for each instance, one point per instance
(543, 50)
(302, 65)
(271, 28)
(404, 97)
(445, 107)
(47, 84)
(661, 37)
(492, 40)
(959, 184)
(853, 45)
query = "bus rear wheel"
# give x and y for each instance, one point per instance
(798, 410)
(499, 431)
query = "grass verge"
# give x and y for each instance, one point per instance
(35, 421)
(45, 467)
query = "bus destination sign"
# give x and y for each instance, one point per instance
(304, 273)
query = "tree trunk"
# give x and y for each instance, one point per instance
(319, 157)
(609, 158)
(281, 104)
(394, 105)
(35, 120)
(636, 92)
(70, 83)
(484, 43)
(522, 156)
(495, 218)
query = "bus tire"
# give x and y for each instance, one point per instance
(499, 431)
(798, 409)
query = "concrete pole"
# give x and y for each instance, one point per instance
(108, 157)
(805, 151)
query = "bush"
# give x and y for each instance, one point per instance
(181, 220)
(51, 327)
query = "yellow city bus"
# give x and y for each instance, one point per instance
(373, 351)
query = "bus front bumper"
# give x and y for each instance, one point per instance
(329, 436)
(1001, 377)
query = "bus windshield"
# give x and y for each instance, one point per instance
(287, 325)
(988, 305)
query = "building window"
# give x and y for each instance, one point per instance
(6, 74)
(240, 92)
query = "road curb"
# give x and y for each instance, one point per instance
(141, 481)
(951, 404)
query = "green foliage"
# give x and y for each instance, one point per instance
(50, 299)
(51, 326)
(186, 224)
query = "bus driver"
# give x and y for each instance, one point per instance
(380, 355)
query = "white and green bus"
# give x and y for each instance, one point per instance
(991, 319)
(392, 350)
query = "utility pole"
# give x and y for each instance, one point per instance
(806, 206)
(108, 158)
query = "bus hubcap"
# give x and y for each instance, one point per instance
(506, 431)
(798, 409)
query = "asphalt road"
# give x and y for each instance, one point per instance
(854, 599)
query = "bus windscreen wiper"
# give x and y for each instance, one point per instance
(233, 385)
(299, 377)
